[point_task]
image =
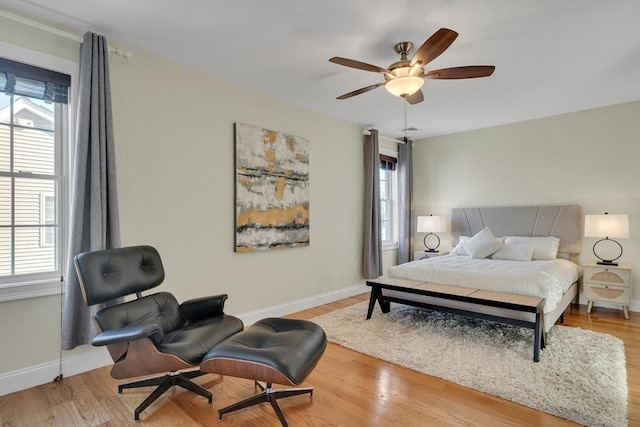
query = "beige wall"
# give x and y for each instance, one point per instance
(590, 158)
(175, 164)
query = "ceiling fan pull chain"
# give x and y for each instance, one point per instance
(404, 102)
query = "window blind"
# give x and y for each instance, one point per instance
(26, 80)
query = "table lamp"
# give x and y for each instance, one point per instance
(431, 225)
(607, 226)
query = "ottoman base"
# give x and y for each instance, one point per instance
(269, 394)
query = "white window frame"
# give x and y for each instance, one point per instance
(392, 189)
(37, 285)
(45, 231)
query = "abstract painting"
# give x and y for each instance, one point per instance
(272, 189)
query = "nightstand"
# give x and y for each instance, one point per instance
(609, 284)
(418, 255)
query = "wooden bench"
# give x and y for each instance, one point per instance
(478, 297)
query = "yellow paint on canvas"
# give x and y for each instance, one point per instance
(291, 143)
(280, 183)
(246, 249)
(246, 182)
(269, 153)
(270, 136)
(298, 214)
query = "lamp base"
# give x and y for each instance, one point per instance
(429, 248)
(607, 261)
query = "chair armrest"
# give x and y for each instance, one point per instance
(133, 333)
(198, 308)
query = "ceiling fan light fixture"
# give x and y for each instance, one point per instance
(404, 86)
(404, 78)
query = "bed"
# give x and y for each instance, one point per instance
(556, 280)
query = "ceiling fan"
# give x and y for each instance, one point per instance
(405, 77)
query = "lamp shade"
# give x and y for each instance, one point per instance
(607, 225)
(431, 224)
(404, 85)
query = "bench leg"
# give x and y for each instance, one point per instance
(537, 338)
(375, 292)
(376, 295)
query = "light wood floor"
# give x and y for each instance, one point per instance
(351, 389)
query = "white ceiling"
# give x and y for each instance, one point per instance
(551, 57)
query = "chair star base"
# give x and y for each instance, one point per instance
(269, 394)
(164, 383)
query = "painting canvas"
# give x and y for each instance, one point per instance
(272, 189)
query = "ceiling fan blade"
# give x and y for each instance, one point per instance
(357, 64)
(359, 91)
(468, 72)
(434, 46)
(415, 98)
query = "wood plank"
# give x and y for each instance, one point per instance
(526, 300)
(392, 281)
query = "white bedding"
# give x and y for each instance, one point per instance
(546, 279)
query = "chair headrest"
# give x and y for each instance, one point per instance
(114, 273)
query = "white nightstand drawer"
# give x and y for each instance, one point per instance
(608, 276)
(609, 293)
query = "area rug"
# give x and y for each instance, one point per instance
(581, 375)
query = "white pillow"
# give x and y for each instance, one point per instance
(545, 247)
(515, 252)
(459, 250)
(482, 244)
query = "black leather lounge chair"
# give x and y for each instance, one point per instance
(151, 334)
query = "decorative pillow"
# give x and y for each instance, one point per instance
(459, 250)
(515, 252)
(482, 244)
(545, 247)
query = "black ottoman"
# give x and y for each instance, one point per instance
(272, 350)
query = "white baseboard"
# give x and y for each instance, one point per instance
(43, 373)
(302, 304)
(95, 358)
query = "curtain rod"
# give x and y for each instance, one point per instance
(388, 138)
(59, 32)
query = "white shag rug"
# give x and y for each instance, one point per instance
(581, 375)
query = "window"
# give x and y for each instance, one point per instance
(34, 135)
(388, 199)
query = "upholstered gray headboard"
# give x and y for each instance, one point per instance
(563, 222)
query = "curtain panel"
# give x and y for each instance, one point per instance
(94, 201)
(405, 201)
(372, 248)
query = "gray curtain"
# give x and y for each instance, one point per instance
(404, 172)
(372, 254)
(94, 202)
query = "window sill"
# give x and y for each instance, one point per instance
(390, 246)
(29, 290)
